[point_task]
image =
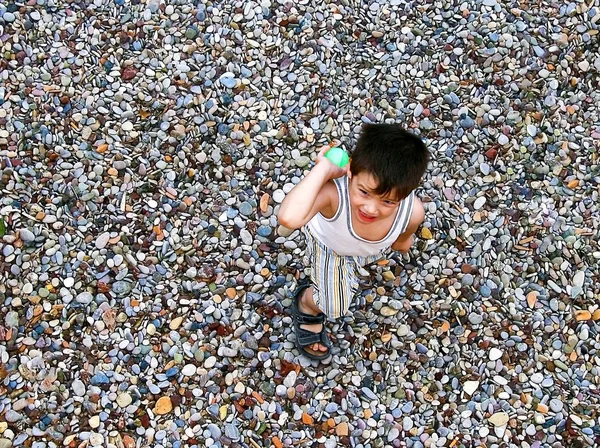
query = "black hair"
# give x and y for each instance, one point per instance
(395, 157)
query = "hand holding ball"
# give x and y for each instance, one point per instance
(337, 156)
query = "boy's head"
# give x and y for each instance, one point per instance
(395, 157)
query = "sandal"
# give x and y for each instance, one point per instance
(305, 338)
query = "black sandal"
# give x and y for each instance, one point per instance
(305, 338)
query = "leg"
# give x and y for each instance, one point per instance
(307, 305)
(311, 336)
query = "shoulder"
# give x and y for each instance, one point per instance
(405, 240)
(329, 199)
(417, 214)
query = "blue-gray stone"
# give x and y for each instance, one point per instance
(369, 393)
(426, 124)
(99, 378)
(408, 407)
(214, 430)
(246, 209)
(421, 348)
(121, 287)
(539, 51)
(467, 280)
(173, 371)
(228, 82)
(467, 122)
(475, 319)
(331, 408)
(232, 432)
(213, 409)
(26, 235)
(264, 231)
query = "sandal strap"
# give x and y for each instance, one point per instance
(303, 318)
(306, 337)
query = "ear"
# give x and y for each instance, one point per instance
(348, 172)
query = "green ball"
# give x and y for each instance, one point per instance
(338, 156)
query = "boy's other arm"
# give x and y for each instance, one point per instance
(404, 241)
(313, 194)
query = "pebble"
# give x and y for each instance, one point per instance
(495, 354)
(143, 268)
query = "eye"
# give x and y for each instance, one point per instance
(363, 192)
(387, 202)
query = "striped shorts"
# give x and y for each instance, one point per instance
(335, 277)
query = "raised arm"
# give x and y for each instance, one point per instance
(313, 194)
(405, 240)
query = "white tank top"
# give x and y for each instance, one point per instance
(337, 232)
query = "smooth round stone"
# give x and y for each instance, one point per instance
(228, 82)
(495, 354)
(84, 298)
(121, 287)
(467, 280)
(214, 430)
(393, 434)
(556, 405)
(232, 432)
(26, 235)
(547, 382)
(69, 282)
(246, 209)
(94, 421)
(264, 231)
(210, 362)
(96, 439)
(102, 240)
(189, 370)
(191, 33)
(537, 378)
(475, 319)
(479, 202)
(331, 408)
(8, 17)
(124, 399)
(278, 196)
(78, 388)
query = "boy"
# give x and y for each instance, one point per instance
(352, 215)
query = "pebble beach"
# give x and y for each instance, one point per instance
(145, 147)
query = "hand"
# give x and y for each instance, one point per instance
(334, 170)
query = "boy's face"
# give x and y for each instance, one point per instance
(366, 206)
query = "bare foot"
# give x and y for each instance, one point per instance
(307, 305)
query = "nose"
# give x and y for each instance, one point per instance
(371, 208)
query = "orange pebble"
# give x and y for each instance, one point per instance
(582, 315)
(307, 419)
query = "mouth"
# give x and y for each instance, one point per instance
(366, 218)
